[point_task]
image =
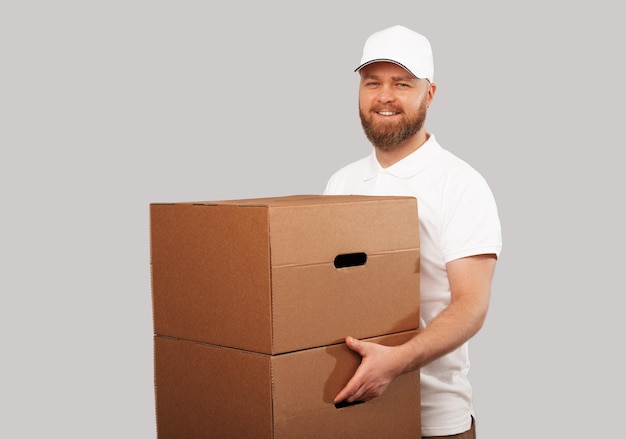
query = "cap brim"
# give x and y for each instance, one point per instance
(385, 60)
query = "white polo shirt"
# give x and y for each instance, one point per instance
(458, 217)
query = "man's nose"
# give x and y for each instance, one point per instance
(386, 94)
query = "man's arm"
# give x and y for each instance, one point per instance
(470, 282)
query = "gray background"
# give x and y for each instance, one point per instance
(106, 107)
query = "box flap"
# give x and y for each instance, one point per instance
(317, 231)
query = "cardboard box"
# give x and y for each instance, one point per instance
(206, 391)
(269, 275)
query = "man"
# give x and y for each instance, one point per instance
(460, 238)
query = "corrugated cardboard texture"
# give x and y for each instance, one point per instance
(206, 391)
(259, 274)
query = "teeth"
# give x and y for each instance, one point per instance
(386, 113)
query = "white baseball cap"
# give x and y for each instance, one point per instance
(402, 46)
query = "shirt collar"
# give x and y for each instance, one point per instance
(409, 166)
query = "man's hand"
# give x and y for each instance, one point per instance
(379, 366)
(470, 283)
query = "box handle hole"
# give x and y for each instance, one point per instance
(342, 404)
(350, 260)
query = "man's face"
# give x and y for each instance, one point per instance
(392, 104)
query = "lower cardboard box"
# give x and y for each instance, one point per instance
(207, 391)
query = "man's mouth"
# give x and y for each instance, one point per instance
(386, 112)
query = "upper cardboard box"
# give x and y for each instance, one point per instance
(280, 274)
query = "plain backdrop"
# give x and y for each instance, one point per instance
(108, 106)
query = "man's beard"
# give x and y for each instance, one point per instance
(386, 135)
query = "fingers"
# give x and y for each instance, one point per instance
(351, 391)
(356, 391)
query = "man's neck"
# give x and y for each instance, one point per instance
(390, 157)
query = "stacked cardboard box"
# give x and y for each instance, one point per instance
(252, 300)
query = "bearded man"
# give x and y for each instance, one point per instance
(459, 229)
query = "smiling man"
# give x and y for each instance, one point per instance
(459, 227)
